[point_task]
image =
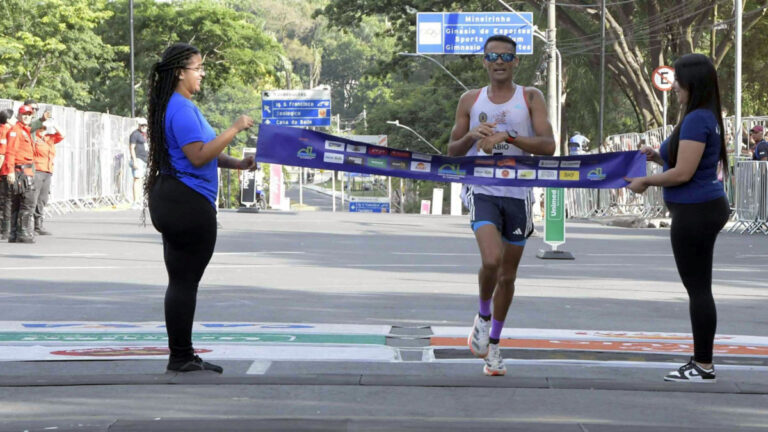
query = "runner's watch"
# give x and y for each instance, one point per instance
(511, 136)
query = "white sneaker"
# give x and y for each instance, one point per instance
(494, 364)
(478, 337)
(691, 372)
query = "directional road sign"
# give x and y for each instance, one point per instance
(466, 32)
(296, 107)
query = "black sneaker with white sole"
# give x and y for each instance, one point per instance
(692, 372)
(196, 364)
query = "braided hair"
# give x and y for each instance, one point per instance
(163, 80)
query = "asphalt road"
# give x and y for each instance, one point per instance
(413, 275)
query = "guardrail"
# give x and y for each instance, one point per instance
(751, 181)
(91, 165)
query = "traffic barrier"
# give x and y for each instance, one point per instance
(91, 165)
(751, 184)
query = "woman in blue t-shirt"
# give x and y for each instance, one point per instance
(695, 199)
(181, 189)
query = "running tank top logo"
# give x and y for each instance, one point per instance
(512, 114)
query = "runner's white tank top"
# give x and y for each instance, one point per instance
(512, 114)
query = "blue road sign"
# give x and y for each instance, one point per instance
(466, 32)
(296, 107)
(368, 207)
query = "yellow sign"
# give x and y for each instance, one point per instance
(569, 175)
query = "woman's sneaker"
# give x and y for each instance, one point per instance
(196, 364)
(478, 337)
(494, 364)
(691, 372)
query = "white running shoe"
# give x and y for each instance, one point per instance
(494, 364)
(478, 337)
(691, 372)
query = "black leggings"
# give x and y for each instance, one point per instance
(187, 222)
(693, 234)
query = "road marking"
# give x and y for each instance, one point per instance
(259, 367)
(632, 255)
(261, 253)
(197, 337)
(436, 254)
(274, 352)
(44, 255)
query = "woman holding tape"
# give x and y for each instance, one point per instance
(181, 188)
(695, 199)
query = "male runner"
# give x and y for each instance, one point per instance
(509, 119)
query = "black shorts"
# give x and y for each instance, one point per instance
(511, 216)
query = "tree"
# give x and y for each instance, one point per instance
(49, 50)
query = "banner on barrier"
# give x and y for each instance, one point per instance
(306, 148)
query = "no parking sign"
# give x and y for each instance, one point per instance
(663, 77)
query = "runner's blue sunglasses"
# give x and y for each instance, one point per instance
(505, 57)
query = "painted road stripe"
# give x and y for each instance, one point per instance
(208, 327)
(198, 337)
(48, 255)
(259, 367)
(598, 335)
(379, 353)
(638, 347)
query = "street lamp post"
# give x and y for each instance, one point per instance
(437, 63)
(398, 124)
(133, 76)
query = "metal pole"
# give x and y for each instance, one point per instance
(301, 186)
(737, 80)
(552, 74)
(333, 194)
(664, 129)
(229, 178)
(397, 123)
(133, 75)
(602, 72)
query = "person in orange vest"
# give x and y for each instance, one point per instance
(20, 168)
(6, 117)
(46, 138)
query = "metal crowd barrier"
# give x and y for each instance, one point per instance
(91, 166)
(751, 184)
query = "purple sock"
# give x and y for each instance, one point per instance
(496, 327)
(485, 307)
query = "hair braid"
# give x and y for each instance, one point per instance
(163, 79)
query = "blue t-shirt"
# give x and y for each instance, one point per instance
(184, 124)
(699, 125)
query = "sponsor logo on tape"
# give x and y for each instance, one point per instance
(488, 161)
(377, 151)
(506, 162)
(569, 175)
(400, 154)
(526, 174)
(353, 148)
(483, 172)
(336, 158)
(398, 165)
(452, 171)
(334, 145)
(421, 156)
(505, 173)
(547, 174)
(377, 162)
(354, 160)
(421, 166)
(307, 153)
(549, 163)
(570, 164)
(596, 174)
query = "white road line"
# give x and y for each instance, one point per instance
(50, 255)
(436, 254)
(261, 252)
(633, 255)
(259, 367)
(598, 363)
